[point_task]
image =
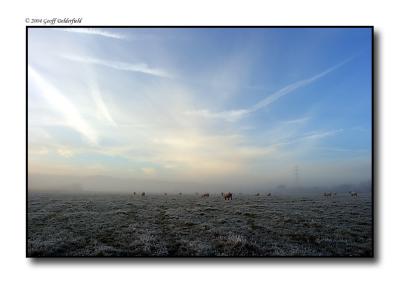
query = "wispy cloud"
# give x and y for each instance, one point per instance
(297, 121)
(316, 135)
(344, 150)
(229, 115)
(124, 66)
(95, 32)
(65, 152)
(100, 104)
(294, 86)
(234, 115)
(319, 135)
(64, 106)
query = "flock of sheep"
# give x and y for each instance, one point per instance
(229, 195)
(225, 195)
(331, 194)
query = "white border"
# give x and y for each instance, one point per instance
(15, 268)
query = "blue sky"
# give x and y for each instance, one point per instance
(222, 105)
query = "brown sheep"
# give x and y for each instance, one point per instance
(228, 196)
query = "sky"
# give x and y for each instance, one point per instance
(248, 106)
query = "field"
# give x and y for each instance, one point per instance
(188, 225)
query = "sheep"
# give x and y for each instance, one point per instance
(228, 196)
(353, 194)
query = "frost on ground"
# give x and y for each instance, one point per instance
(187, 225)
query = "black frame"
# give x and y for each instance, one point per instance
(373, 144)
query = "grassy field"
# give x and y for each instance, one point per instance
(188, 225)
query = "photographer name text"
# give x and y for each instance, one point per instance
(53, 21)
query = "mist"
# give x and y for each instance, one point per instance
(110, 185)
